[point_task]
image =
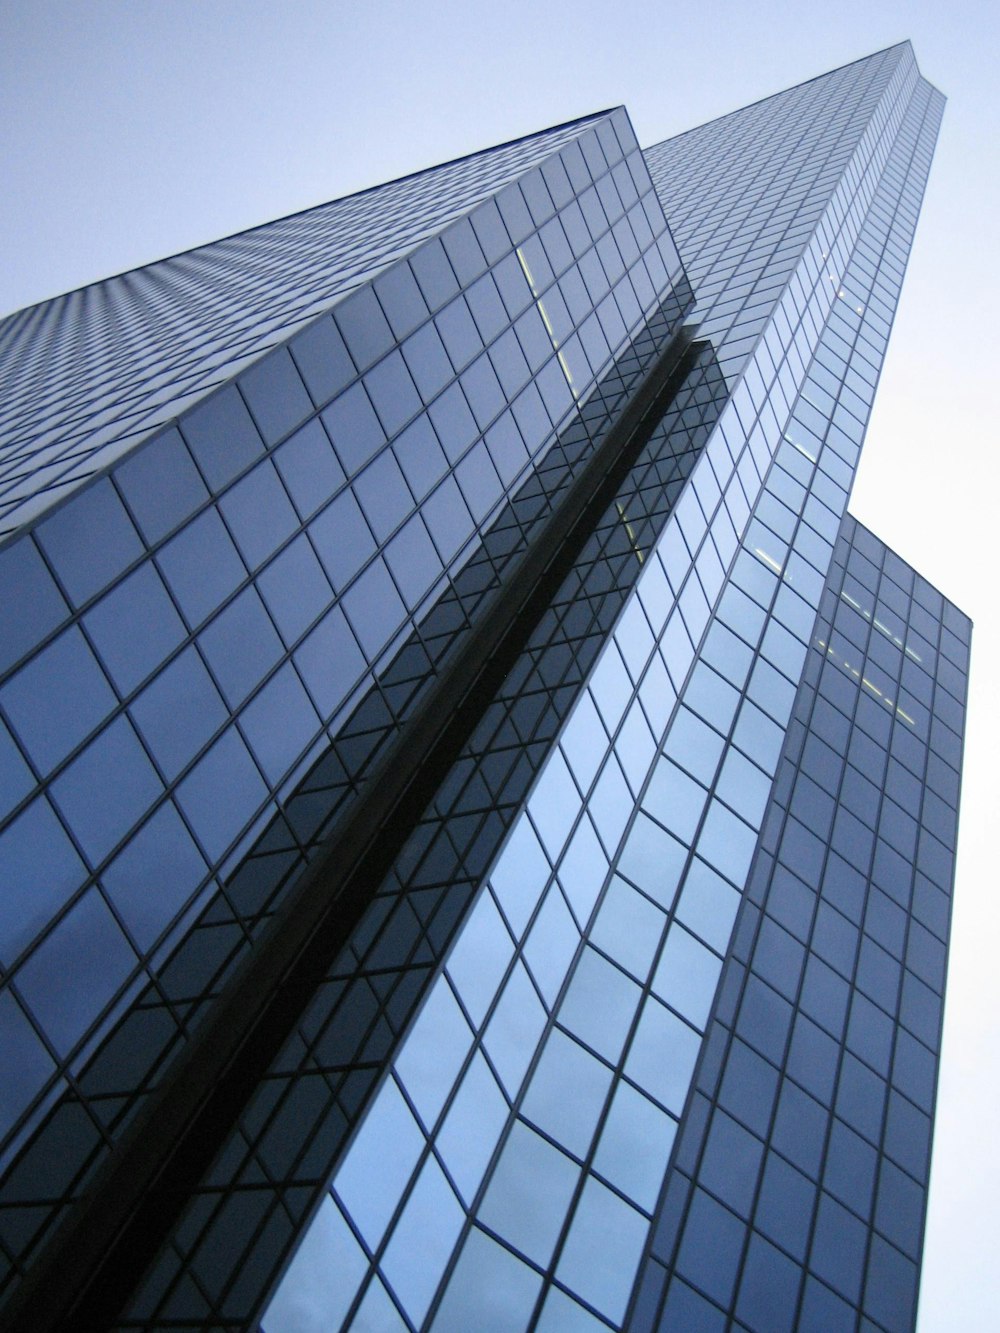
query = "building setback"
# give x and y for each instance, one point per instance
(478, 815)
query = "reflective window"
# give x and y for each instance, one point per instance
(529, 1194)
(106, 789)
(379, 1163)
(599, 1005)
(433, 1053)
(161, 485)
(40, 868)
(628, 927)
(89, 541)
(222, 437)
(134, 627)
(513, 1031)
(422, 1240)
(202, 566)
(259, 514)
(602, 1250)
(653, 860)
(490, 1289)
(76, 971)
(472, 1128)
(150, 881)
(635, 1145)
(50, 719)
(567, 1092)
(319, 1286)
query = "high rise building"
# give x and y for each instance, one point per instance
(478, 814)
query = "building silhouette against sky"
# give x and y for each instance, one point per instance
(478, 815)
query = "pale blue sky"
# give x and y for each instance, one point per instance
(136, 128)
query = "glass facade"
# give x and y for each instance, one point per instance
(478, 815)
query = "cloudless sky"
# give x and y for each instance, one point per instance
(132, 129)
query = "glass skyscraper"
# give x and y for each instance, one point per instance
(478, 815)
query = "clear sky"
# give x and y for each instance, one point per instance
(132, 129)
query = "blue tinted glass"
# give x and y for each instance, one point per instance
(75, 972)
(420, 456)
(551, 945)
(393, 393)
(628, 927)
(309, 467)
(427, 361)
(490, 1290)
(676, 800)
(330, 662)
(413, 561)
(354, 428)
(319, 1285)
(687, 976)
(295, 589)
(710, 1248)
(479, 482)
(30, 603)
(240, 645)
(447, 518)
(89, 541)
(383, 495)
(323, 360)
(422, 1240)
(599, 1005)
(838, 1248)
(379, 1163)
(401, 300)
(693, 745)
(280, 723)
(152, 879)
(49, 717)
(276, 394)
(374, 608)
(221, 793)
(514, 1029)
(482, 389)
(106, 789)
(134, 627)
(342, 539)
(653, 860)
(582, 870)
(259, 514)
(222, 437)
(433, 1052)
(472, 1127)
(727, 843)
(28, 1063)
(455, 425)
(635, 1145)
(16, 779)
(39, 868)
(769, 1288)
(602, 1250)
(554, 803)
(364, 327)
(662, 1055)
(566, 1067)
(161, 485)
(178, 712)
(479, 958)
(529, 1193)
(731, 1163)
(202, 566)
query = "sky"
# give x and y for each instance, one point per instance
(134, 129)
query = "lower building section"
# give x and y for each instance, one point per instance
(586, 1128)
